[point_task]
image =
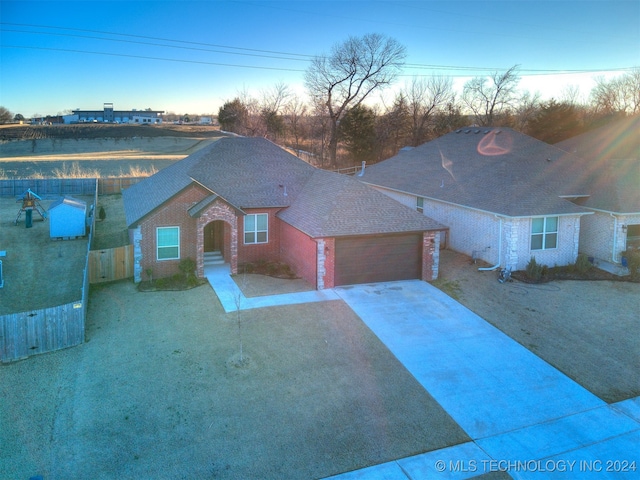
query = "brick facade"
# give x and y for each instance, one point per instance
(311, 259)
(170, 214)
(269, 251)
(218, 210)
(299, 252)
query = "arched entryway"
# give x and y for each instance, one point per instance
(214, 237)
(217, 231)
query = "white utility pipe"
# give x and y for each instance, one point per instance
(497, 265)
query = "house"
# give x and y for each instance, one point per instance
(251, 200)
(506, 197)
(609, 168)
(67, 218)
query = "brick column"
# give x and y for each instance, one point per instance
(219, 210)
(430, 255)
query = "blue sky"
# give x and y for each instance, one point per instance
(191, 56)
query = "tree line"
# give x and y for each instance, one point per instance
(337, 128)
(337, 125)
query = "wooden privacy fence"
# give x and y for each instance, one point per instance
(66, 186)
(38, 331)
(110, 264)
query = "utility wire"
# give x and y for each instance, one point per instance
(146, 57)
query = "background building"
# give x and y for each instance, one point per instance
(109, 115)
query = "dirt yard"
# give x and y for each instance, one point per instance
(589, 330)
(38, 272)
(154, 393)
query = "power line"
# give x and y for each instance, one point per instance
(146, 57)
(156, 44)
(271, 54)
(152, 38)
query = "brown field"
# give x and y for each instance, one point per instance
(97, 150)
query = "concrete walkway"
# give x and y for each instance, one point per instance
(219, 277)
(524, 416)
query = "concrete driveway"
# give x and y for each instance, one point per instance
(525, 417)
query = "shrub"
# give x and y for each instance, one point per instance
(187, 266)
(633, 263)
(535, 271)
(101, 213)
(583, 265)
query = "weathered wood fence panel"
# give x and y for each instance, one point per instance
(28, 333)
(110, 264)
(66, 186)
(48, 186)
(107, 186)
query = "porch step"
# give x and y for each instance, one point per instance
(213, 258)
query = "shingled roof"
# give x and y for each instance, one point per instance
(496, 170)
(332, 205)
(144, 197)
(251, 172)
(255, 173)
(609, 165)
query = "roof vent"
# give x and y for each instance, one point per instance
(486, 131)
(498, 132)
(458, 131)
(477, 131)
(467, 131)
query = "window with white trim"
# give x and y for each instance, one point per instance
(544, 233)
(168, 243)
(256, 228)
(420, 204)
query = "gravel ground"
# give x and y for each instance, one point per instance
(156, 392)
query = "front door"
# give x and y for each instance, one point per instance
(213, 236)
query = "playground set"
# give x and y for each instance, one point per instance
(30, 202)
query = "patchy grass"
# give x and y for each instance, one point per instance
(450, 287)
(271, 269)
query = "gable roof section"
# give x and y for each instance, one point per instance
(496, 170)
(144, 197)
(251, 172)
(70, 202)
(609, 165)
(332, 205)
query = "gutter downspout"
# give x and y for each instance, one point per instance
(615, 237)
(497, 265)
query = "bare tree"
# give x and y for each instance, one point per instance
(526, 109)
(5, 115)
(426, 98)
(273, 101)
(489, 97)
(618, 95)
(294, 112)
(353, 70)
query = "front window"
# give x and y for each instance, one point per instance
(168, 243)
(420, 204)
(544, 233)
(256, 228)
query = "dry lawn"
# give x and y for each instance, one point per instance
(38, 272)
(589, 330)
(154, 393)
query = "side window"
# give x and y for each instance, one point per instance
(544, 233)
(168, 243)
(420, 204)
(256, 228)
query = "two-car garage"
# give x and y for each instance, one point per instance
(377, 258)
